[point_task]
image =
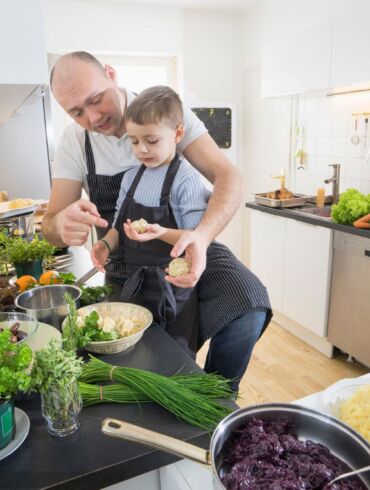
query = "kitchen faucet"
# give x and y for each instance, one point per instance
(334, 179)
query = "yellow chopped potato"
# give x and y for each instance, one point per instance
(356, 411)
(20, 203)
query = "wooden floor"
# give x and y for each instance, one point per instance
(283, 368)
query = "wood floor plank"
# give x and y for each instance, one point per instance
(283, 368)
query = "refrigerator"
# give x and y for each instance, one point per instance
(26, 148)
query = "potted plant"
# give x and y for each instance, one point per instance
(15, 363)
(27, 257)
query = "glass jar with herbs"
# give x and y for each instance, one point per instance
(55, 373)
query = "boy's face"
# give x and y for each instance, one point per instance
(154, 144)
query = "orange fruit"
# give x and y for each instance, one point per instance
(49, 277)
(24, 282)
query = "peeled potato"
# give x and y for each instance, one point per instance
(140, 225)
(179, 267)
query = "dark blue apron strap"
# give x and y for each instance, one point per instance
(167, 302)
(168, 181)
(133, 284)
(131, 192)
(90, 160)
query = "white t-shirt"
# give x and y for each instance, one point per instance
(112, 155)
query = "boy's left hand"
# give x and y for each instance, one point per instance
(152, 232)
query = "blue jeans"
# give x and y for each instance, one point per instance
(231, 348)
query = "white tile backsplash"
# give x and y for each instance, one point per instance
(328, 126)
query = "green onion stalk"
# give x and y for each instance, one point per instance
(184, 402)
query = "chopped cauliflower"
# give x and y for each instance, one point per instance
(108, 324)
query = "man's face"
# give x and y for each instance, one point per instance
(90, 98)
(154, 144)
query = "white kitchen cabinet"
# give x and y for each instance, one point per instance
(351, 46)
(267, 253)
(293, 260)
(307, 271)
(298, 63)
(22, 54)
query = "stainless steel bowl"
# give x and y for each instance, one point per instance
(47, 303)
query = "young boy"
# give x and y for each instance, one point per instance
(168, 193)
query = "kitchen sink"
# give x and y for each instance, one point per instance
(323, 213)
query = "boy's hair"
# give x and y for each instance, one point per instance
(155, 104)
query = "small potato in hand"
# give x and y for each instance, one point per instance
(140, 225)
(179, 267)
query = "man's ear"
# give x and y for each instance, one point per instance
(111, 73)
(179, 133)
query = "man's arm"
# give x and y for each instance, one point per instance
(69, 219)
(206, 156)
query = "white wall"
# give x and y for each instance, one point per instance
(268, 142)
(208, 43)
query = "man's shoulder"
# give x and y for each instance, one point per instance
(73, 133)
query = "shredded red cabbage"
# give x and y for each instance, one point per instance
(267, 455)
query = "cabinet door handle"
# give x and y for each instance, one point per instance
(367, 253)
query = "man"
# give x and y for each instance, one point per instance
(94, 153)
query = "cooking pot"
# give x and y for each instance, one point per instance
(47, 303)
(342, 441)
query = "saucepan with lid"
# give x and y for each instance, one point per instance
(342, 441)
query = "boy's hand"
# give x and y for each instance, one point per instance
(99, 255)
(152, 232)
(195, 247)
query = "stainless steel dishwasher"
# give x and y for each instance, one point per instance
(349, 312)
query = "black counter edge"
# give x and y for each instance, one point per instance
(305, 218)
(110, 475)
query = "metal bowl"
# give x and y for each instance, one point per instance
(27, 323)
(47, 303)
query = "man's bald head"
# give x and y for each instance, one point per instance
(65, 66)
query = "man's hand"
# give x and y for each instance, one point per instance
(152, 232)
(76, 220)
(195, 247)
(99, 255)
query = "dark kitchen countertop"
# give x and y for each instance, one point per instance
(307, 218)
(88, 459)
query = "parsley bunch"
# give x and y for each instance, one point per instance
(15, 361)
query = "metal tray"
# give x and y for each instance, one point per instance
(297, 200)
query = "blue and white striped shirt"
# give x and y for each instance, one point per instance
(189, 196)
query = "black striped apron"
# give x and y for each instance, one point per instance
(104, 191)
(226, 289)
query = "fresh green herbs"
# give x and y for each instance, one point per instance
(19, 250)
(182, 399)
(91, 331)
(71, 332)
(54, 375)
(352, 205)
(55, 366)
(15, 361)
(91, 295)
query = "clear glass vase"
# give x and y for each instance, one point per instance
(61, 406)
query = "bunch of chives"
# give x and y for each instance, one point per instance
(169, 392)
